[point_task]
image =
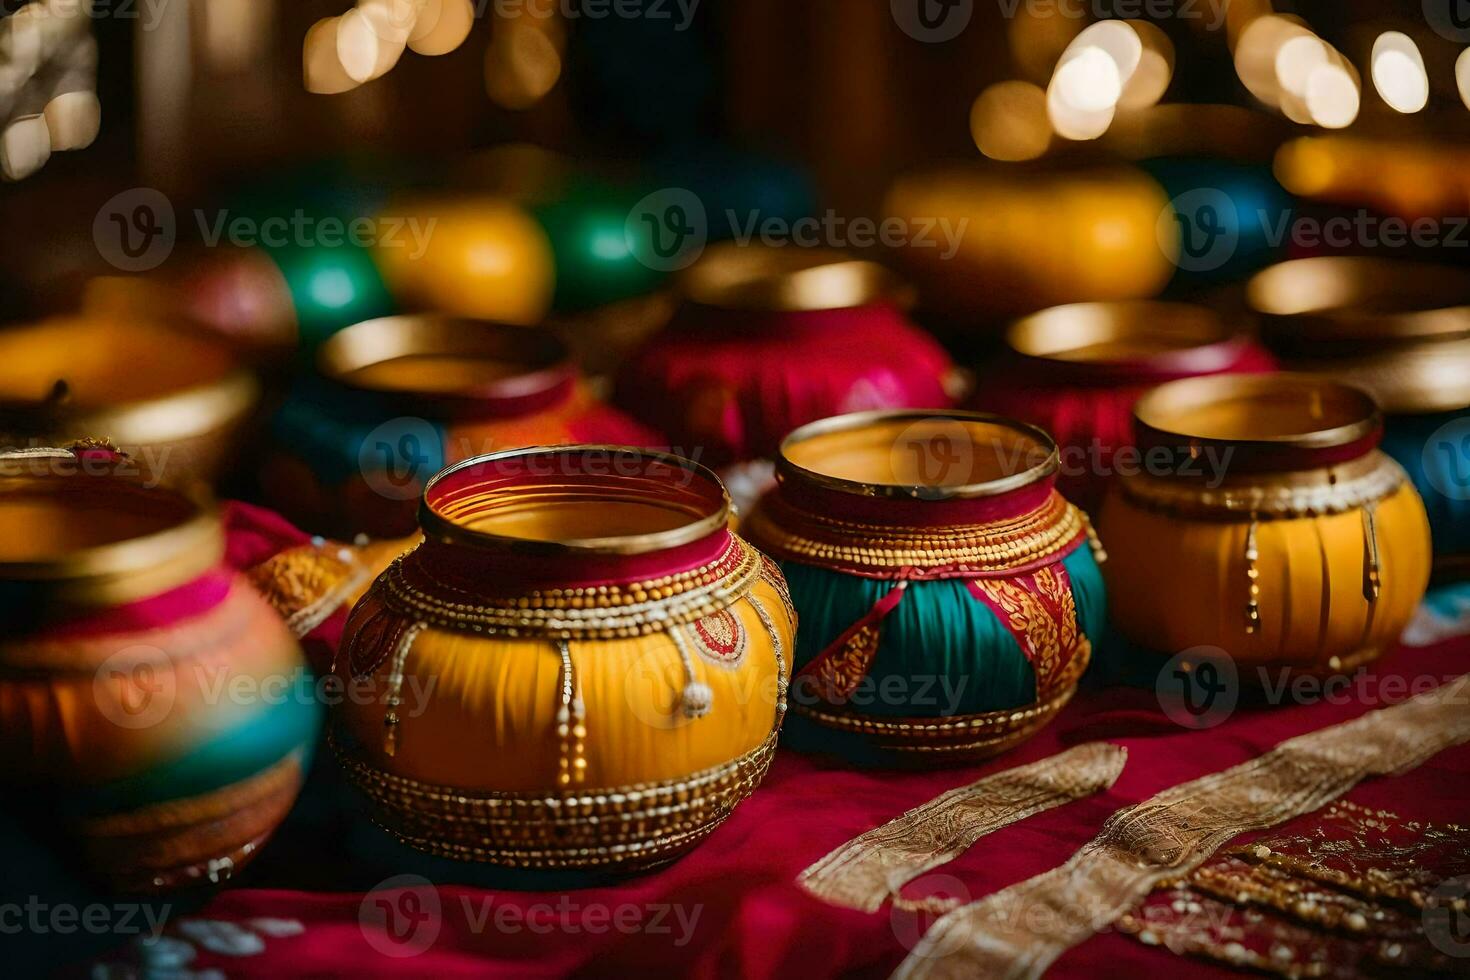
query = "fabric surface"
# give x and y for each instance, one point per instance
(732, 907)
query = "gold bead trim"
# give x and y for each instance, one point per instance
(1313, 493)
(601, 612)
(632, 827)
(807, 538)
(961, 736)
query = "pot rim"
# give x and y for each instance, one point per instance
(546, 357)
(1360, 421)
(118, 571)
(1053, 335)
(787, 469)
(787, 280)
(193, 410)
(446, 530)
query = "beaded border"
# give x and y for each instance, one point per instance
(633, 827)
(600, 612)
(965, 550)
(962, 736)
(1333, 494)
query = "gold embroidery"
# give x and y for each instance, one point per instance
(840, 674)
(865, 871)
(1175, 832)
(1045, 617)
(720, 638)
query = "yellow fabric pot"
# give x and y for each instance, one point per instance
(1268, 525)
(581, 665)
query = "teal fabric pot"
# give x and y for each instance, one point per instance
(939, 623)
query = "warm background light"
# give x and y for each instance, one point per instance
(1398, 72)
(1009, 121)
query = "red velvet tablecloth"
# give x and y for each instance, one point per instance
(732, 908)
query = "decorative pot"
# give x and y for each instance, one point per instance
(1077, 371)
(1401, 331)
(1028, 237)
(585, 668)
(397, 399)
(1274, 528)
(177, 402)
(148, 696)
(949, 599)
(769, 339)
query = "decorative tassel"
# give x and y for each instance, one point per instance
(395, 688)
(571, 725)
(1372, 576)
(697, 698)
(1253, 574)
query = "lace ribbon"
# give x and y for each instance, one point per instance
(866, 870)
(1021, 930)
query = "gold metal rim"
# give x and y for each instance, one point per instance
(756, 278)
(1058, 333)
(437, 527)
(126, 570)
(1337, 299)
(190, 412)
(546, 358)
(787, 469)
(1154, 412)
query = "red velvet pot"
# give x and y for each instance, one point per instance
(770, 339)
(1077, 371)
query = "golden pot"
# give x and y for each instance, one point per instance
(585, 668)
(1267, 523)
(176, 402)
(150, 700)
(1033, 237)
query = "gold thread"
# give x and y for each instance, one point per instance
(1175, 832)
(874, 866)
(1253, 577)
